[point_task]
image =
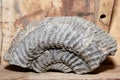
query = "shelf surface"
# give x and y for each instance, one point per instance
(16, 73)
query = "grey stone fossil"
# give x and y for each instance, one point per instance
(61, 43)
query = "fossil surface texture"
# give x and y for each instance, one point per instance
(67, 44)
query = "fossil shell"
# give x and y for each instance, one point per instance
(61, 43)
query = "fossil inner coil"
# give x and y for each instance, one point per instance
(67, 44)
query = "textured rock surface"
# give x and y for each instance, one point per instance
(61, 43)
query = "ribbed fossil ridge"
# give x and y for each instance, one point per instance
(61, 43)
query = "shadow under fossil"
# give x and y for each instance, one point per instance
(17, 68)
(108, 64)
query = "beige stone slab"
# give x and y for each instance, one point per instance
(104, 14)
(115, 30)
(15, 73)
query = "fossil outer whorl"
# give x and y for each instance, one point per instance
(61, 43)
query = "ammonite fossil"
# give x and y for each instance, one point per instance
(61, 43)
